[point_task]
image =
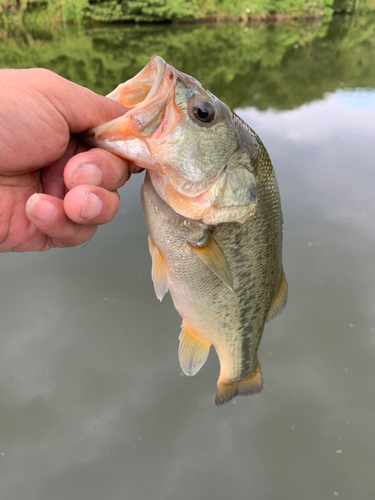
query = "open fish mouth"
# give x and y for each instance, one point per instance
(145, 97)
(143, 86)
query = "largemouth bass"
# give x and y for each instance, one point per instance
(212, 209)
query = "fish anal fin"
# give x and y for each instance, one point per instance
(159, 271)
(193, 350)
(227, 390)
(209, 251)
(279, 300)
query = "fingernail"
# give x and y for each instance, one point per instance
(86, 173)
(40, 208)
(91, 207)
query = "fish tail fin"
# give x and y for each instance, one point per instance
(227, 390)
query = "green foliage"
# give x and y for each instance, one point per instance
(166, 10)
(280, 66)
(61, 11)
(169, 10)
(13, 12)
(129, 10)
(152, 10)
(344, 6)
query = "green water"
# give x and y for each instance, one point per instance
(92, 401)
(279, 67)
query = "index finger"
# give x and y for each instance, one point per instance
(96, 167)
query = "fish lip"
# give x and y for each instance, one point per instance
(160, 67)
(155, 70)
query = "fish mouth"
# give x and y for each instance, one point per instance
(145, 97)
(143, 86)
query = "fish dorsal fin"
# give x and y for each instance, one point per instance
(209, 251)
(193, 350)
(158, 271)
(279, 299)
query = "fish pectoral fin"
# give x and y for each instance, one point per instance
(227, 390)
(158, 271)
(279, 300)
(193, 350)
(209, 251)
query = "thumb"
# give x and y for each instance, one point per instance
(80, 107)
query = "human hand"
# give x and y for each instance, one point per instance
(54, 190)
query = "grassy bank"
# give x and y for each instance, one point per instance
(172, 10)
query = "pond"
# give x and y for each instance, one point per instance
(93, 401)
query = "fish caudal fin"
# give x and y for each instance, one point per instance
(159, 271)
(228, 390)
(193, 350)
(279, 300)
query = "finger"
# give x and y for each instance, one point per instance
(52, 177)
(48, 215)
(80, 107)
(91, 205)
(96, 167)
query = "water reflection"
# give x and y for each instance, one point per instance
(92, 404)
(278, 67)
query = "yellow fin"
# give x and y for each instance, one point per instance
(193, 350)
(279, 300)
(250, 385)
(158, 271)
(209, 251)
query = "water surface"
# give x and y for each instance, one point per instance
(93, 402)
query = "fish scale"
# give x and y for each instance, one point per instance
(232, 322)
(212, 209)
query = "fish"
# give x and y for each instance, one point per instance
(212, 208)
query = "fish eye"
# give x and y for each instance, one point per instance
(203, 111)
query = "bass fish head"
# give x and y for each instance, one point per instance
(199, 154)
